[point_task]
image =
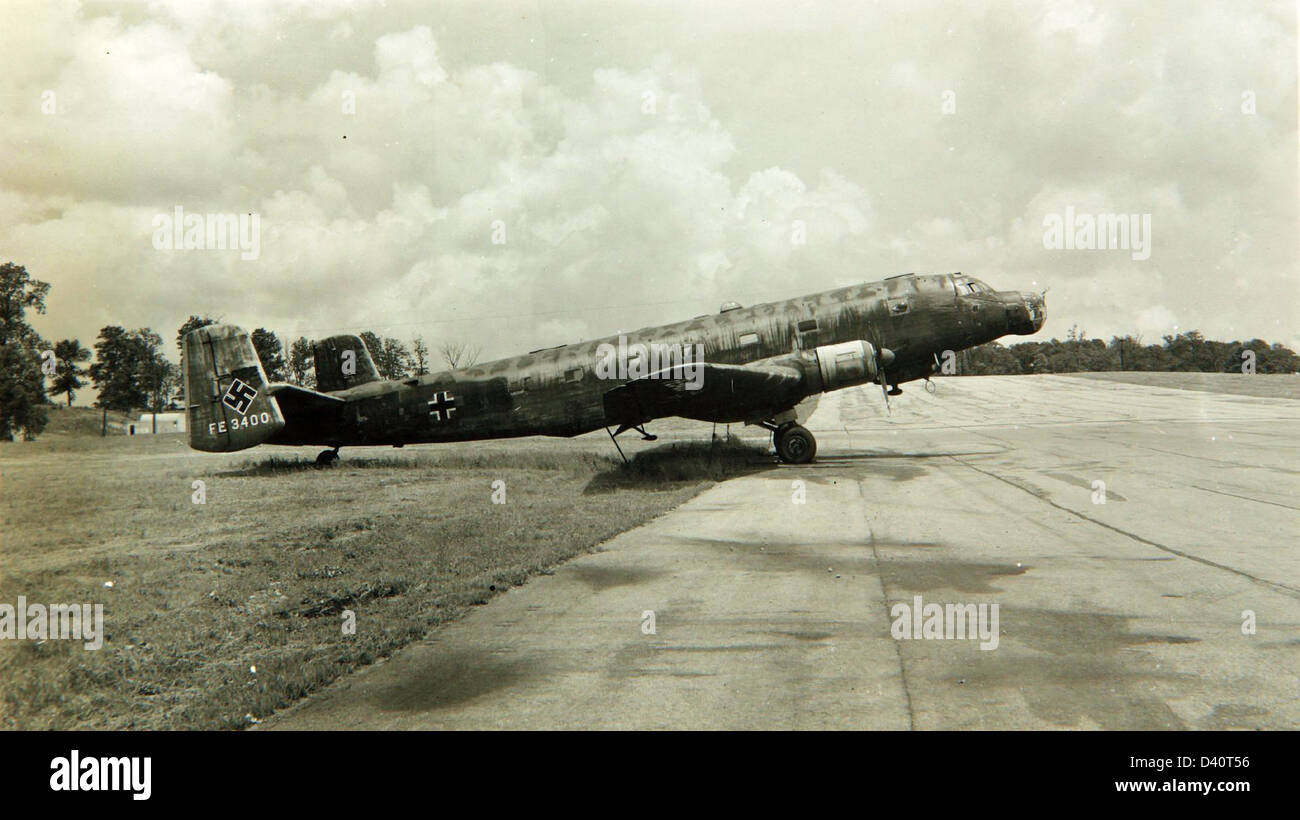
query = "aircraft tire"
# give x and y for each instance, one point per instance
(327, 458)
(795, 445)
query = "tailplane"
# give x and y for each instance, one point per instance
(228, 406)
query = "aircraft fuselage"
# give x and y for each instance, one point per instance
(561, 392)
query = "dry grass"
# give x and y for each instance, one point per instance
(86, 422)
(260, 575)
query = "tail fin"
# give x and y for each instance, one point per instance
(227, 404)
(343, 362)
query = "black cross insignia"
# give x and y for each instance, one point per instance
(442, 403)
(239, 396)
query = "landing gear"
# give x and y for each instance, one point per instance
(794, 444)
(640, 428)
(327, 458)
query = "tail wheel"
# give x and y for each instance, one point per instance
(795, 445)
(327, 458)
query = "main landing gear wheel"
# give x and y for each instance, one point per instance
(795, 445)
(327, 458)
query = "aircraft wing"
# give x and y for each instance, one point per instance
(295, 400)
(716, 392)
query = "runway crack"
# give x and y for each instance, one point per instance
(884, 593)
(1282, 588)
(1245, 497)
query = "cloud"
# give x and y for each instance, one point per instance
(516, 201)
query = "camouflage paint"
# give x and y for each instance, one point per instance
(556, 392)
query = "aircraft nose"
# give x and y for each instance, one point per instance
(1036, 304)
(1027, 313)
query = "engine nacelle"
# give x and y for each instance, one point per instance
(847, 364)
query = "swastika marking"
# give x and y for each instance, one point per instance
(239, 396)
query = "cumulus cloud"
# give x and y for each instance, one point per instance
(407, 185)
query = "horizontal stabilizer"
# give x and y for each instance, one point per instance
(295, 400)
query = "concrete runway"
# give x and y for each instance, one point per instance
(775, 615)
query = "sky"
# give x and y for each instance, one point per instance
(517, 175)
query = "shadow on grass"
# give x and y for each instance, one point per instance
(669, 463)
(271, 465)
(684, 461)
(576, 461)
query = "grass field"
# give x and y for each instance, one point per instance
(221, 612)
(83, 422)
(1264, 385)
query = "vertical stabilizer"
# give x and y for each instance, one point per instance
(226, 401)
(343, 362)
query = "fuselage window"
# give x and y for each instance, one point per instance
(574, 375)
(807, 325)
(748, 338)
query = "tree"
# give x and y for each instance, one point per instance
(1125, 349)
(271, 352)
(22, 383)
(397, 359)
(130, 370)
(22, 393)
(420, 355)
(192, 323)
(990, 359)
(1278, 359)
(160, 378)
(68, 355)
(1191, 351)
(19, 292)
(390, 356)
(302, 363)
(458, 354)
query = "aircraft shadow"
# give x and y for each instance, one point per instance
(281, 465)
(684, 461)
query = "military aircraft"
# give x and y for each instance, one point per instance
(751, 365)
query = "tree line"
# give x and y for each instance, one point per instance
(1189, 351)
(131, 371)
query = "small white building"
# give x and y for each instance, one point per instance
(167, 423)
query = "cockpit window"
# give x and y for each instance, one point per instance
(967, 286)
